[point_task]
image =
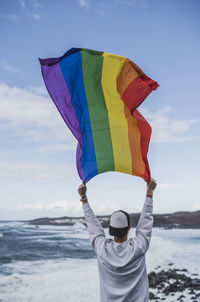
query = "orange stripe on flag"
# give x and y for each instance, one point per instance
(138, 166)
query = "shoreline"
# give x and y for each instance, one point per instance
(182, 220)
(65, 252)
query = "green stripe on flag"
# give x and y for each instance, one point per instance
(92, 62)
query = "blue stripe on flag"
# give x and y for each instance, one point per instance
(71, 67)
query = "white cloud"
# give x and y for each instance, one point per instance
(22, 4)
(12, 17)
(37, 4)
(53, 209)
(195, 207)
(40, 209)
(33, 116)
(38, 90)
(57, 147)
(166, 129)
(145, 4)
(166, 186)
(171, 186)
(33, 206)
(84, 4)
(96, 6)
(34, 16)
(74, 208)
(32, 3)
(35, 170)
(29, 8)
(131, 3)
(9, 68)
(70, 208)
(62, 208)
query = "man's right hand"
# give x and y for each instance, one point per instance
(82, 190)
(151, 185)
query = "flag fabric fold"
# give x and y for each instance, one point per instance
(97, 94)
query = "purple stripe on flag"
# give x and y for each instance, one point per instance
(52, 61)
(59, 92)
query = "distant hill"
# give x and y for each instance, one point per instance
(174, 220)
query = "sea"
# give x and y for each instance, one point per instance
(57, 264)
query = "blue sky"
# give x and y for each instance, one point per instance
(37, 156)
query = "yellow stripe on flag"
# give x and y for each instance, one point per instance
(112, 66)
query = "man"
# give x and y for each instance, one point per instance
(121, 262)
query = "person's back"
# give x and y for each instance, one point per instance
(121, 262)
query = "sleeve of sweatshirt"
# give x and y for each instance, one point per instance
(144, 227)
(95, 229)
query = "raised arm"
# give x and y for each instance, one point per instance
(96, 231)
(145, 223)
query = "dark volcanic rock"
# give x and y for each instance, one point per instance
(181, 297)
(178, 220)
(172, 281)
(175, 220)
(151, 296)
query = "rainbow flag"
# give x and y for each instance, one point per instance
(97, 94)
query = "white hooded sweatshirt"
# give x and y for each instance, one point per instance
(122, 266)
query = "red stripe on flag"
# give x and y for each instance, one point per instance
(138, 90)
(145, 131)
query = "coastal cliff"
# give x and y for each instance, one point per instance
(173, 220)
